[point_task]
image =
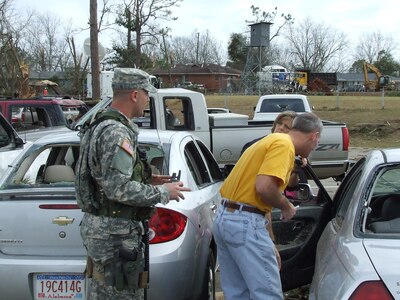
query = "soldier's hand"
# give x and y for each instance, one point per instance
(175, 190)
(160, 179)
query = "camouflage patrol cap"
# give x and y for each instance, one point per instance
(130, 78)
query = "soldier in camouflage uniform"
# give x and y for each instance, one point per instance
(115, 197)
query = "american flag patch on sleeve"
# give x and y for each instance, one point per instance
(126, 145)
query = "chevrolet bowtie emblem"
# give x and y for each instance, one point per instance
(63, 221)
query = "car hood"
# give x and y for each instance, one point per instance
(384, 256)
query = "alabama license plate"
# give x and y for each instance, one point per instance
(59, 286)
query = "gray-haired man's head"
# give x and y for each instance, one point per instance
(307, 122)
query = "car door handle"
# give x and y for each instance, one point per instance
(297, 226)
(213, 208)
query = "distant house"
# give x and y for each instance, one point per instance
(214, 78)
(354, 82)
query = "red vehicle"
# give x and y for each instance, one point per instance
(26, 114)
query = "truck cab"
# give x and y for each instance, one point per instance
(270, 106)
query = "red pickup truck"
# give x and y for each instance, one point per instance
(25, 114)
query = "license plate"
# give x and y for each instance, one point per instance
(59, 286)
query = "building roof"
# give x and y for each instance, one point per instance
(358, 77)
(198, 69)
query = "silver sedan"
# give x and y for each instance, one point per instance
(41, 251)
(358, 252)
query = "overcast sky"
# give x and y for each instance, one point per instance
(222, 17)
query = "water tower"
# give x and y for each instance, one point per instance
(256, 58)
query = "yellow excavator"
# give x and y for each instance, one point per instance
(380, 80)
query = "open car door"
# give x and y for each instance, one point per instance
(9, 139)
(297, 239)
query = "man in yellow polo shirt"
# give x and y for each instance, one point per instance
(246, 253)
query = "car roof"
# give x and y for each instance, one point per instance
(145, 136)
(387, 155)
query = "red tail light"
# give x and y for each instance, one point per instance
(371, 290)
(59, 206)
(346, 138)
(166, 225)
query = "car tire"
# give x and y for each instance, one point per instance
(208, 291)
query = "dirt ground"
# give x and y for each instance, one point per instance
(372, 121)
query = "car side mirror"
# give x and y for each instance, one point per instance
(302, 192)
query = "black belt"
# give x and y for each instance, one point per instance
(233, 205)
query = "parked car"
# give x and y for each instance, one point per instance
(347, 247)
(27, 114)
(41, 251)
(358, 252)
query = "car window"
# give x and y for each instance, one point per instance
(213, 167)
(384, 201)
(178, 113)
(47, 166)
(196, 165)
(388, 181)
(279, 105)
(346, 190)
(154, 156)
(29, 117)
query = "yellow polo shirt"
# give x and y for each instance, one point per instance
(273, 155)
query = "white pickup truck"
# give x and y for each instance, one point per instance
(269, 106)
(226, 133)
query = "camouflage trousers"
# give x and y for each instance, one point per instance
(99, 291)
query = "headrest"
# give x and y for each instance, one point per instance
(59, 173)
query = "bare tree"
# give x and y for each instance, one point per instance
(45, 42)
(270, 17)
(315, 45)
(14, 71)
(139, 18)
(199, 48)
(371, 44)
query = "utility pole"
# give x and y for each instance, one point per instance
(197, 47)
(163, 33)
(94, 51)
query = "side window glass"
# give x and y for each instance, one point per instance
(196, 165)
(155, 157)
(345, 193)
(28, 117)
(215, 171)
(178, 114)
(384, 205)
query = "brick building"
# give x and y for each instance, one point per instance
(213, 77)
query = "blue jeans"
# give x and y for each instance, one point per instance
(246, 254)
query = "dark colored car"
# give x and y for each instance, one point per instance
(26, 114)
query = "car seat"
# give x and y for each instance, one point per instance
(390, 220)
(59, 173)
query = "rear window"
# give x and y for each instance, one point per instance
(279, 105)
